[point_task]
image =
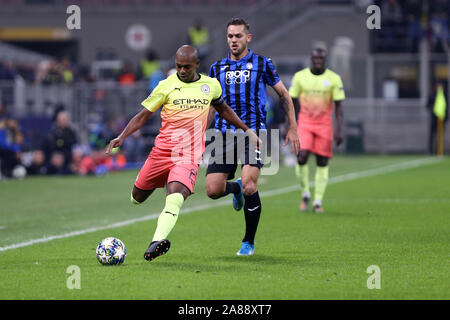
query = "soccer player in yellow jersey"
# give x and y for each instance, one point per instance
(185, 98)
(317, 91)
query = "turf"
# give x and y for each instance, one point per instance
(398, 221)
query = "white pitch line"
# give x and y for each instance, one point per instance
(360, 174)
(342, 178)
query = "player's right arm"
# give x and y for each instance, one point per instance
(152, 103)
(135, 124)
(296, 104)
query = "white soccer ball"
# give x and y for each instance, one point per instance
(111, 251)
(19, 172)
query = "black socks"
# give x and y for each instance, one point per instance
(232, 187)
(252, 212)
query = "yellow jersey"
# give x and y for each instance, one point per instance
(316, 94)
(184, 112)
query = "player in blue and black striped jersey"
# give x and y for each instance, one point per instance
(244, 86)
(244, 76)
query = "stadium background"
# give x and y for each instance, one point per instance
(388, 74)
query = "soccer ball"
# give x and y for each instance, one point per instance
(19, 172)
(111, 251)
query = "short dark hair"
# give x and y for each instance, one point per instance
(239, 22)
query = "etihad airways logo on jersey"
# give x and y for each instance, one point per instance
(191, 103)
(237, 76)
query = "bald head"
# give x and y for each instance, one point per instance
(187, 52)
(187, 63)
(62, 119)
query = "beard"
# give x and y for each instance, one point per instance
(237, 51)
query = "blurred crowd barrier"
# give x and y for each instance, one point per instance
(386, 99)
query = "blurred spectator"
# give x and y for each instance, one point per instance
(391, 19)
(50, 72)
(10, 140)
(57, 109)
(101, 133)
(57, 165)
(97, 163)
(66, 70)
(52, 75)
(7, 71)
(439, 23)
(77, 157)
(198, 36)
(42, 69)
(135, 147)
(413, 12)
(27, 72)
(89, 162)
(37, 165)
(150, 64)
(391, 13)
(115, 161)
(61, 139)
(150, 69)
(127, 77)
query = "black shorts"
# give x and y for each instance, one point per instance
(227, 154)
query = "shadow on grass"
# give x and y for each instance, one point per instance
(234, 263)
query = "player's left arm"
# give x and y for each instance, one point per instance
(212, 111)
(338, 97)
(211, 115)
(286, 100)
(339, 121)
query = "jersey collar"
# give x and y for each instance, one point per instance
(243, 59)
(320, 74)
(199, 77)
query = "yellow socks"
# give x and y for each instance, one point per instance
(320, 183)
(302, 174)
(133, 201)
(168, 216)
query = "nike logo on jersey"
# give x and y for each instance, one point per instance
(251, 210)
(179, 89)
(223, 68)
(170, 213)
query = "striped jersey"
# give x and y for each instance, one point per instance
(244, 88)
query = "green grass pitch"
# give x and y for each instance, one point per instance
(388, 211)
